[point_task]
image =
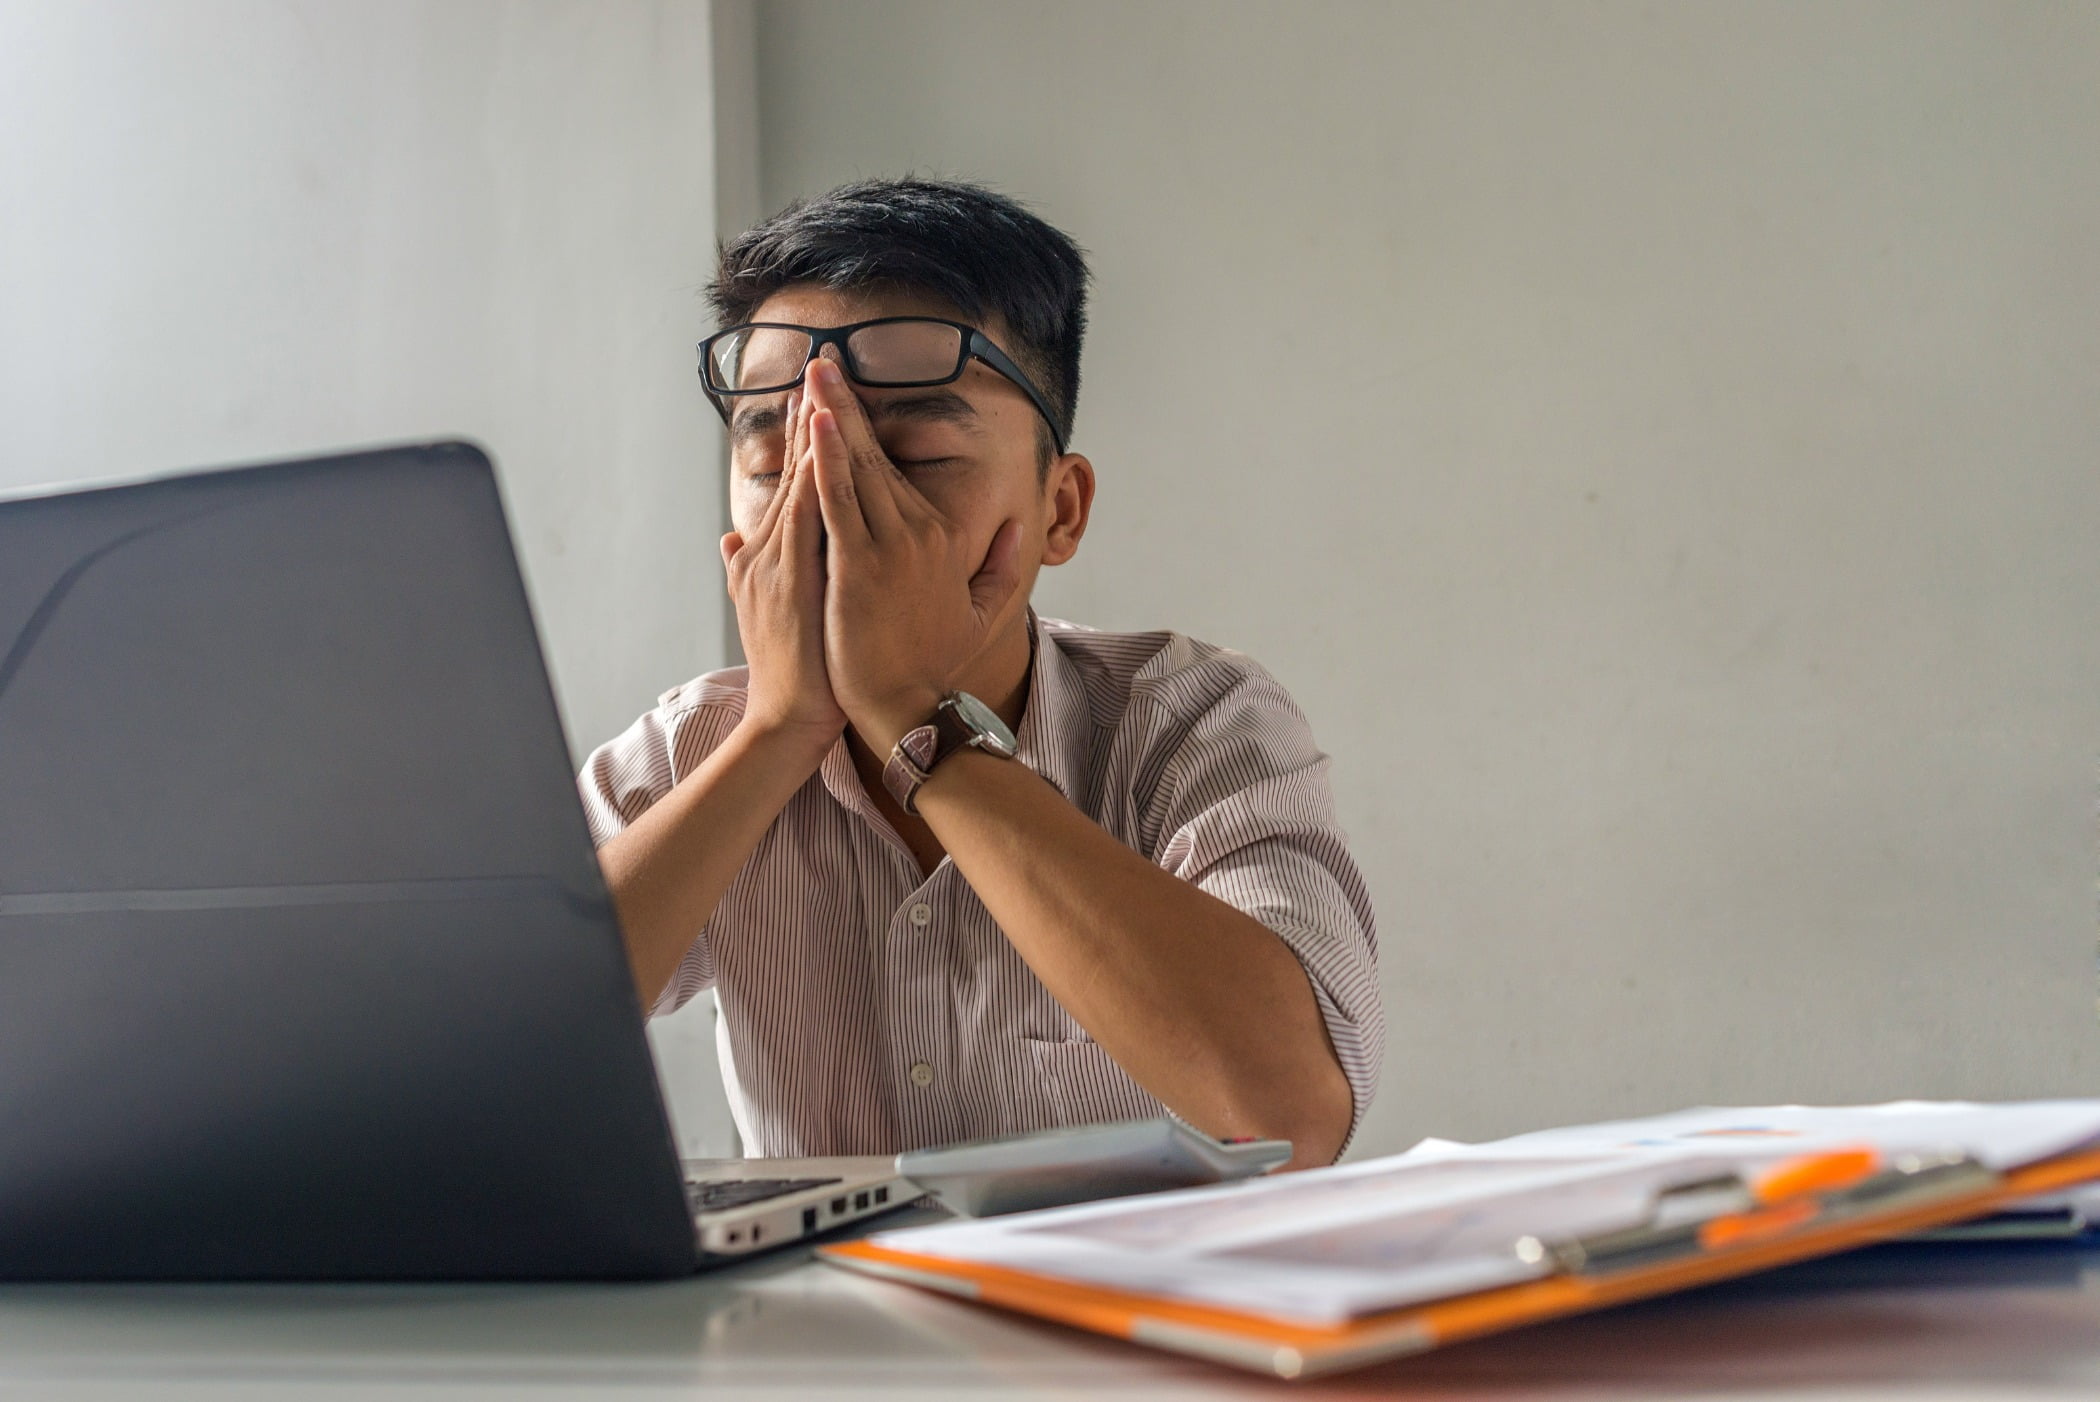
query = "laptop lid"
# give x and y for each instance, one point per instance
(306, 967)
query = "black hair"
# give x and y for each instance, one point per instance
(977, 250)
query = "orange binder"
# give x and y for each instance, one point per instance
(1812, 1207)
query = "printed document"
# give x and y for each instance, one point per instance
(1329, 1245)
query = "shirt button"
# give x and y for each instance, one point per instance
(921, 1074)
(922, 916)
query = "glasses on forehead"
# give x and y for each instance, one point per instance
(893, 352)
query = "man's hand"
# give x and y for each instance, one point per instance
(669, 869)
(776, 578)
(909, 600)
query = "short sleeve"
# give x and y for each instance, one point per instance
(625, 777)
(1240, 806)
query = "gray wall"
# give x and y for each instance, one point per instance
(1658, 446)
(237, 229)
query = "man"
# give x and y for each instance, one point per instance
(916, 939)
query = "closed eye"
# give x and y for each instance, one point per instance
(911, 463)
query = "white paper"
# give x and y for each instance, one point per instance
(2000, 1136)
(1444, 1218)
(1326, 1245)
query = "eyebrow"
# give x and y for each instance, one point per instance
(941, 406)
(750, 423)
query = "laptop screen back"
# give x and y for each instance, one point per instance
(306, 967)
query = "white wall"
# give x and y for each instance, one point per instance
(237, 229)
(689, 1051)
(1658, 444)
(244, 228)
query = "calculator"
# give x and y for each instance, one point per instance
(1050, 1168)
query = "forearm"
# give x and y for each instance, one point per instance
(669, 869)
(1205, 1007)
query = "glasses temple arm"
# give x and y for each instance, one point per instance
(981, 346)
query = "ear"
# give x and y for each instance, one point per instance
(1070, 489)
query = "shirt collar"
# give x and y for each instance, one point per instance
(1056, 727)
(843, 781)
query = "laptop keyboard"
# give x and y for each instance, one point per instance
(717, 1194)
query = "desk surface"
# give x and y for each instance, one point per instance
(2003, 1322)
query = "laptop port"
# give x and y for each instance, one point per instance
(809, 1219)
(860, 1202)
(882, 1195)
(757, 1231)
(838, 1205)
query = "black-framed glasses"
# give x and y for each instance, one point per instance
(891, 352)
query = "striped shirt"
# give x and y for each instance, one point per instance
(867, 1009)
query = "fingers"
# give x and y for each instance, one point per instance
(996, 579)
(838, 494)
(875, 478)
(793, 434)
(802, 519)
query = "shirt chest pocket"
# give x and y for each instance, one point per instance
(1080, 1084)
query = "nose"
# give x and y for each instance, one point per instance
(836, 354)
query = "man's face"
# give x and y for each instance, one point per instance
(971, 448)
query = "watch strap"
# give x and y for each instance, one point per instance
(921, 751)
(911, 764)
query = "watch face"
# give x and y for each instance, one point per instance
(994, 735)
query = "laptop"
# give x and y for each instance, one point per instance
(307, 971)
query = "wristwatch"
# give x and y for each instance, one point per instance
(961, 721)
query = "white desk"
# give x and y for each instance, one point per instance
(2019, 1325)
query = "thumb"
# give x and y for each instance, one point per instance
(731, 543)
(1000, 574)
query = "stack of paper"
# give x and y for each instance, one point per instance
(1346, 1252)
(2002, 1136)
